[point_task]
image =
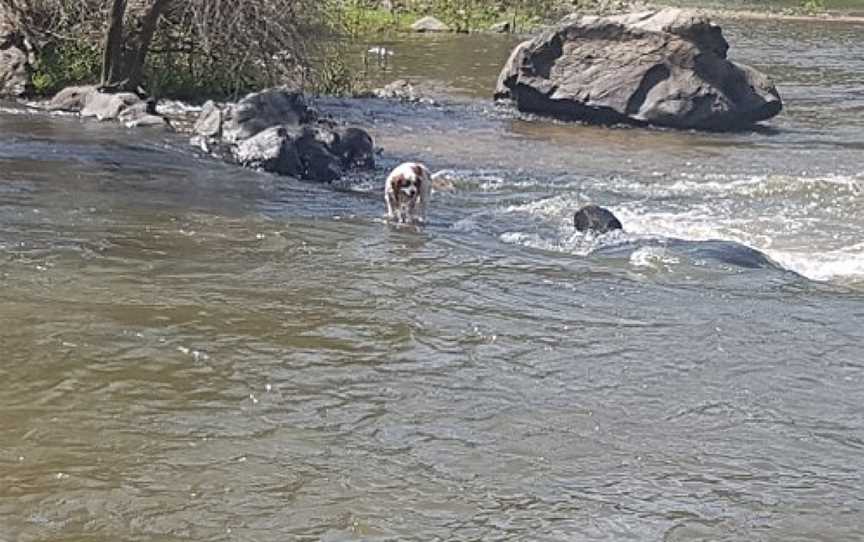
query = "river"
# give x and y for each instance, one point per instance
(190, 351)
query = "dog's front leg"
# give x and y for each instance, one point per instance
(392, 205)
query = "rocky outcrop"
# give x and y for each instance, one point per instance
(261, 110)
(595, 219)
(17, 56)
(90, 102)
(667, 68)
(429, 24)
(276, 131)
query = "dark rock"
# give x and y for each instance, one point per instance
(261, 110)
(666, 67)
(319, 162)
(355, 149)
(429, 24)
(271, 150)
(596, 219)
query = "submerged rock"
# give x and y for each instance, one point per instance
(595, 219)
(666, 67)
(429, 24)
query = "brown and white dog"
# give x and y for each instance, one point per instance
(407, 192)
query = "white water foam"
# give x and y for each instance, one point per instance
(797, 230)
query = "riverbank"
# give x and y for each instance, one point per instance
(375, 20)
(794, 16)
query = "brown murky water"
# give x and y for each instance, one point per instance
(189, 351)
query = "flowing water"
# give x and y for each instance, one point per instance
(190, 351)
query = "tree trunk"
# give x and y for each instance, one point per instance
(125, 54)
(140, 43)
(112, 57)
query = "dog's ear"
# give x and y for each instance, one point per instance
(418, 170)
(396, 181)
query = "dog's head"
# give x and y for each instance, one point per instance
(406, 183)
(407, 192)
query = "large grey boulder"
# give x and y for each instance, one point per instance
(16, 57)
(666, 67)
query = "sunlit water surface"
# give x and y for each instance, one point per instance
(189, 351)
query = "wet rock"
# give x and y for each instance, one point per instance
(666, 67)
(319, 162)
(429, 24)
(356, 149)
(209, 123)
(595, 219)
(16, 56)
(261, 110)
(502, 28)
(271, 150)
